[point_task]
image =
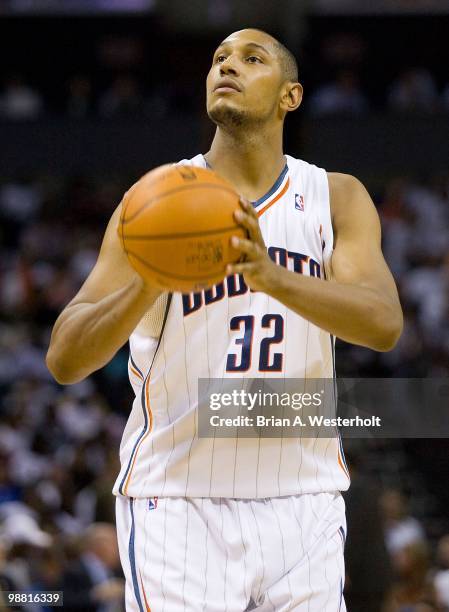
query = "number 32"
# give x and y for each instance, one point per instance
(246, 323)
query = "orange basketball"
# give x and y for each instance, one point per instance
(176, 225)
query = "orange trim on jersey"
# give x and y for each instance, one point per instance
(134, 371)
(147, 607)
(279, 195)
(150, 427)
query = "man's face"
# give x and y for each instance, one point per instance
(243, 84)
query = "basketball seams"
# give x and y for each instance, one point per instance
(174, 235)
(125, 205)
(177, 190)
(169, 274)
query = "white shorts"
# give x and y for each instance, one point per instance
(231, 555)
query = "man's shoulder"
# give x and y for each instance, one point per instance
(348, 199)
(344, 189)
(343, 183)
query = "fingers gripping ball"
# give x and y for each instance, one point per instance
(176, 225)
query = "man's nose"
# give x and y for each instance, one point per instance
(228, 67)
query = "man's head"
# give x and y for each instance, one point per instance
(253, 80)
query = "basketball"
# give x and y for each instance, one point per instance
(176, 224)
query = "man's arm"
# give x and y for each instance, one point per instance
(103, 314)
(361, 303)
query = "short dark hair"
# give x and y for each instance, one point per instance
(287, 60)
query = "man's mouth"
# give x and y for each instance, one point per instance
(227, 86)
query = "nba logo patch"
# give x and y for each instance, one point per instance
(152, 503)
(299, 202)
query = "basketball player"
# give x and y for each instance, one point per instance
(238, 524)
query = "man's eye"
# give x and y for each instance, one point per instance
(253, 59)
(220, 59)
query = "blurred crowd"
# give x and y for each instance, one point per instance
(126, 76)
(390, 564)
(413, 91)
(59, 445)
(415, 226)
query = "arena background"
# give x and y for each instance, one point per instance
(93, 94)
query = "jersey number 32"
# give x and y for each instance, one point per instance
(269, 361)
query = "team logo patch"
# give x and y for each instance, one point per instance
(299, 202)
(152, 503)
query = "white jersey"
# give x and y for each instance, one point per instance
(204, 335)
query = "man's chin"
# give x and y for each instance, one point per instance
(226, 115)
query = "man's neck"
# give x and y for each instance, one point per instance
(251, 162)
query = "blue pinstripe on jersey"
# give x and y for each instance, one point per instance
(341, 594)
(343, 534)
(143, 399)
(142, 433)
(132, 559)
(133, 363)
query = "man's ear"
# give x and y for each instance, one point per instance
(291, 97)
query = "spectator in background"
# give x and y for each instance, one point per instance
(20, 201)
(427, 287)
(415, 223)
(413, 91)
(409, 359)
(398, 226)
(19, 101)
(344, 49)
(365, 552)
(5, 582)
(24, 542)
(431, 210)
(343, 96)
(401, 529)
(93, 502)
(122, 99)
(79, 103)
(93, 581)
(441, 578)
(48, 574)
(414, 591)
(9, 489)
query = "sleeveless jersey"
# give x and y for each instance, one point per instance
(202, 336)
